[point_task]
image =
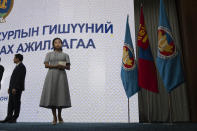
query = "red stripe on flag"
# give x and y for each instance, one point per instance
(147, 75)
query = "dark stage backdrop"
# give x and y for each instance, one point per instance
(156, 107)
(187, 17)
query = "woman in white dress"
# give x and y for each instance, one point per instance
(55, 94)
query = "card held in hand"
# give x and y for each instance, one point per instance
(63, 63)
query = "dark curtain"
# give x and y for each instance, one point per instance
(187, 10)
(161, 107)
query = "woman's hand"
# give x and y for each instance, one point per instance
(51, 66)
(61, 67)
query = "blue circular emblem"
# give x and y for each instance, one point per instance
(5, 9)
(128, 61)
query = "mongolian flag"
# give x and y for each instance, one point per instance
(147, 75)
(129, 68)
(168, 58)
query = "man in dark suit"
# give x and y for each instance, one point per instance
(1, 73)
(17, 82)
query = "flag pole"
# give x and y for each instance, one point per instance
(148, 106)
(128, 112)
(170, 106)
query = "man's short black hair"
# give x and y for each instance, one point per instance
(19, 56)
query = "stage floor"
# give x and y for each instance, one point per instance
(22, 126)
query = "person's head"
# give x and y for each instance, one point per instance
(57, 44)
(18, 58)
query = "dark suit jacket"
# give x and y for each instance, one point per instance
(17, 80)
(1, 72)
